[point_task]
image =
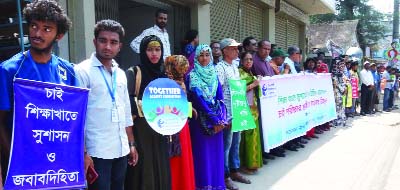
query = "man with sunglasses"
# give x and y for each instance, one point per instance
(250, 44)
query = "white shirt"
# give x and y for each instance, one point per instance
(289, 62)
(268, 59)
(366, 77)
(226, 71)
(236, 62)
(103, 138)
(157, 31)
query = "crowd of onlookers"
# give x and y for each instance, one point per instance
(206, 155)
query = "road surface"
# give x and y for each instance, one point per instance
(363, 156)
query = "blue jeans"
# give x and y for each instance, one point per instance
(353, 107)
(391, 98)
(386, 99)
(111, 173)
(231, 151)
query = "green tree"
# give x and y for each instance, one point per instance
(369, 28)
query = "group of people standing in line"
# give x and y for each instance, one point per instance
(370, 82)
(205, 155)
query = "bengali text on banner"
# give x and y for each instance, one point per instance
(293, 104)
(47, 143)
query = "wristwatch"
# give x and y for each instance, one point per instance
(132, 144)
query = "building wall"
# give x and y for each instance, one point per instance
(290, 26)
(224, 15)
(82, 14)
(288, 32)
(236, 19)
(215, 20)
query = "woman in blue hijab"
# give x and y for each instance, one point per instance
(206, 126)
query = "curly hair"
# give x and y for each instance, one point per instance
(109, 25)
(48, 10)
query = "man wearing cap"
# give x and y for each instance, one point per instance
(226, 70)
(367, 87)
(278, 57)
(260, 65)
(294, 57)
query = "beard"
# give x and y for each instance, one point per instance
(46, 49)
(161, 25)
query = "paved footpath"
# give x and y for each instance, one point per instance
(363, 156)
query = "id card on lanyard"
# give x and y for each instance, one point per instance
(111, 91)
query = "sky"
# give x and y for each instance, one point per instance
(385, 6)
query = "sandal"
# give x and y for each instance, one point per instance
(236, 176)
(230, 185)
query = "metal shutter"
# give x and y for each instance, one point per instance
(287, 32)
(293, 31)
(224, 20)
(181, 26)
(280, 32)
(106, 9)
(251, 22)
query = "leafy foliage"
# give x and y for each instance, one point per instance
(370, 29)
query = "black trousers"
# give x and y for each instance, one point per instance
(366, 99)
(374, 99)
(111, 173)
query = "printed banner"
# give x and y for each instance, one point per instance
(165, 106)
(242, 118)
(47, 150)
(392, 54)
(293, 104)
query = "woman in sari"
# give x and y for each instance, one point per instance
(152, 171)
(205, 92)
(181, 159)
(250, 145)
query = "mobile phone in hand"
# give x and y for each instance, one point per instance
(91, 175)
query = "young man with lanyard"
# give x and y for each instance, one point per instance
(108, 129)
(47, 24)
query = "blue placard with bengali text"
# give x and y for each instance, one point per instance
(48, 136)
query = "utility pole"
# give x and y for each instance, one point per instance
(396, 21)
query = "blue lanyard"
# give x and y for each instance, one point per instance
(114, 83)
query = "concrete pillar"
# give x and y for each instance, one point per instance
(302, 39)
(82, 14)
(63, 44)
(200, 20)
(269, 25)
(303, 42)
